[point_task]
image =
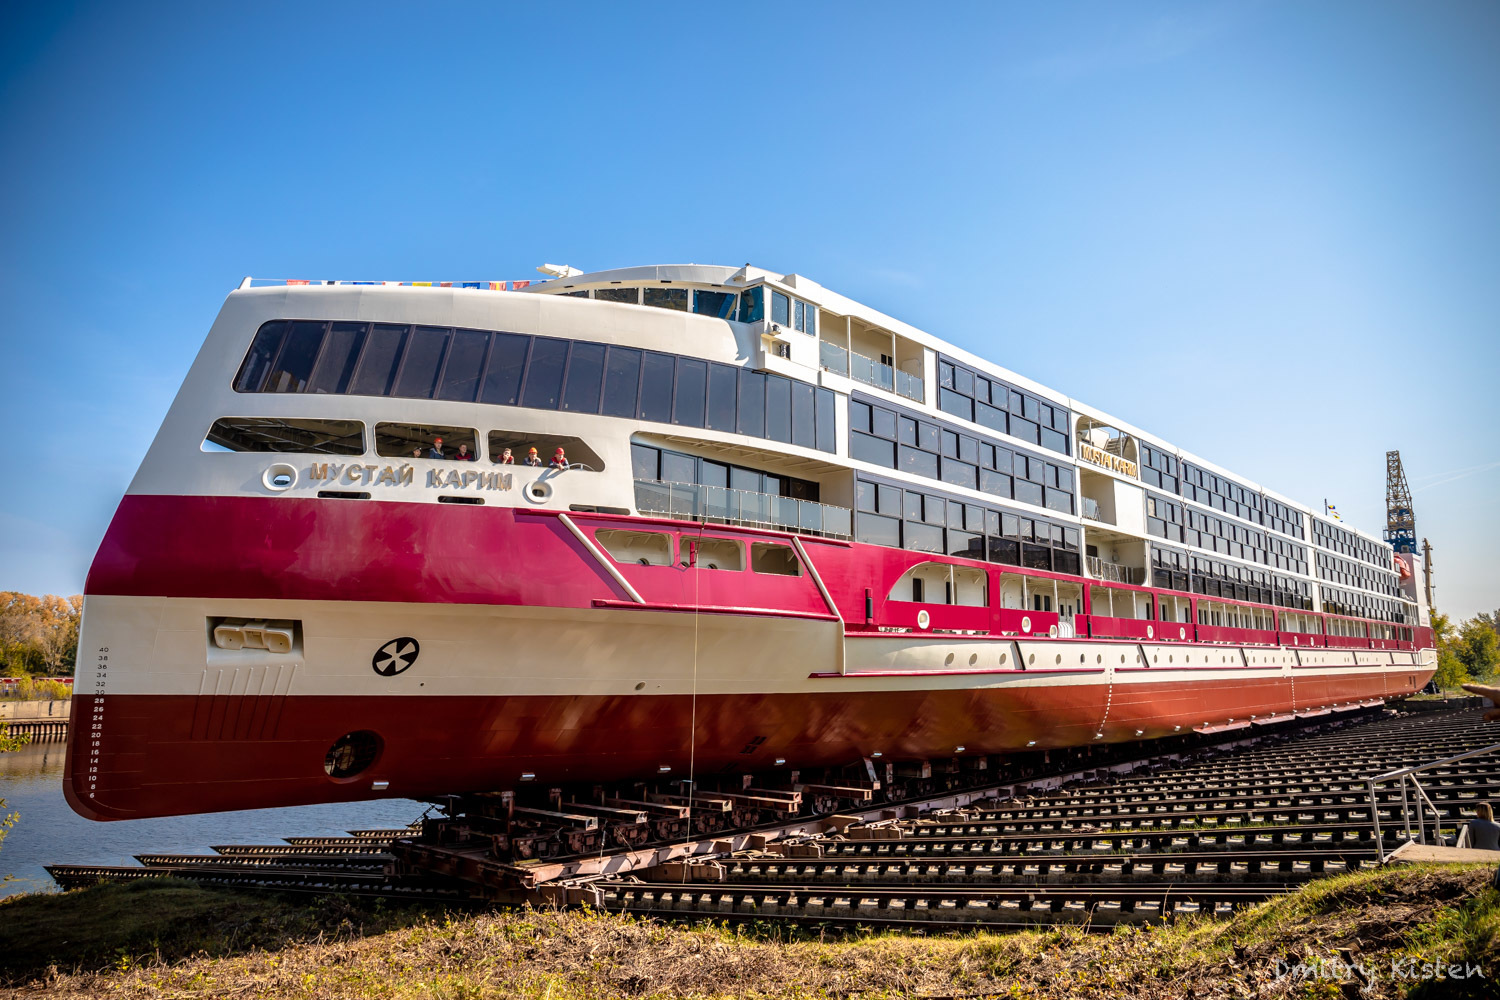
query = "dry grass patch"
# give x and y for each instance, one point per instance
(213, 944)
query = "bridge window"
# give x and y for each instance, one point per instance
(719, 305)
(645, 548)
(667, 298)
(283, 435)
(632, 295)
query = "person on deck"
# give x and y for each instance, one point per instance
(532, 458)
(436, 451)
(559, 460)
(506, 458)
(464, 454)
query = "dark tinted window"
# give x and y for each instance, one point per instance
(656, 387)
(645, 462)
(677, 468)
(692, 389)
(723, 385)
(752, 403)
(544, 373)
(465, 362)
(667, 298)
(502, 378)
(419, 369)
(827, 422)
(865, 448)
(294, 365)
(341, 349)
(377, 366)
(585, 378)
(804, 433)
(617, 294)
(884, 422)
(263, 350)
(778, 408)
(622, 380)
(718, 304)
(877, 530)
(275, 434)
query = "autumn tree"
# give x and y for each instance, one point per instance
(1450, 669)
(38, 635)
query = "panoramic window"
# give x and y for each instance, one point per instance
(618, 294)
(425, 441)
(645, 548)
(286, 435)
(509, 369)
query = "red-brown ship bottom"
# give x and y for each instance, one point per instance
(168, 755)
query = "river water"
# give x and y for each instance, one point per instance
(49, 832)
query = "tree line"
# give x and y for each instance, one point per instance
(1468, 651)
(38, 635)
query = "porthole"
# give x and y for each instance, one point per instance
(1059, 659)
(641, 686)
(279, 477)
(1155, 658)
(537, 492)
(1002, 657)
(1031, 658)
(948, 660)
(1122, 657)
(1081, 658)
(351, 754)
(1100, 658)
(973, 659)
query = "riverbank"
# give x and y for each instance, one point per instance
(154, 938)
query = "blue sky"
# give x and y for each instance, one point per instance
(1267, 231)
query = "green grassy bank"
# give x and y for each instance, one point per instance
(167, 938)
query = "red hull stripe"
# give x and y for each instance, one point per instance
(165, 755)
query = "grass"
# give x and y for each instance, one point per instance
(173, 939)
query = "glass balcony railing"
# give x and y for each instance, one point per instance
(719, 505)
(870, 372)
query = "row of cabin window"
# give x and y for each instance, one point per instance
(1352, 574)
(1172, 521)
(511, 369)
(655, 548)
(1159, 469)
(1172, 568)
(1001, 407)
(748, 306)
(720, 305)
(887, 514)
(1210, 490)
(664, 465)
(1347, 543)
(316, 436)
(897, 440)
(1346, 602)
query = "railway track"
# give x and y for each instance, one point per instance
(1201, 829)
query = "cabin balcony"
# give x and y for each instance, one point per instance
(1113, 557)
(721, 505)
(872, 356)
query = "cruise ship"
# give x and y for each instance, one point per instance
(415, 539)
